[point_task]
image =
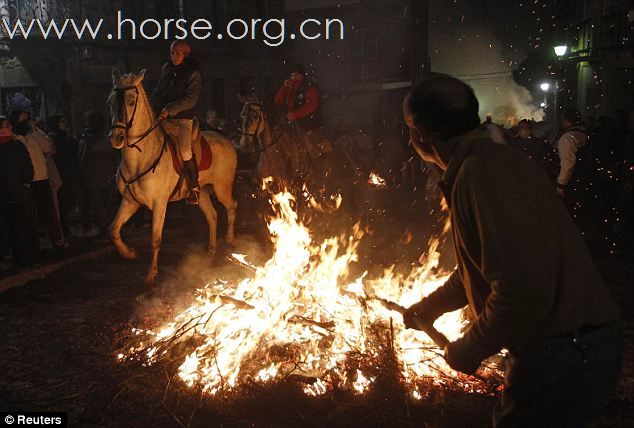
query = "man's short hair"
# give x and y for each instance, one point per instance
(572, 115)
(181, 43)
(525, 122)
(444, 106)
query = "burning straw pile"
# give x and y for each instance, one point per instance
(302, 317)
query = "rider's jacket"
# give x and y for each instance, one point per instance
(178, 89)
(302, 101)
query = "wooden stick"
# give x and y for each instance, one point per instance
(244, 266)
(427, 328)
(327, 325)
(227, 300)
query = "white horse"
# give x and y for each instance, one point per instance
(147, 176)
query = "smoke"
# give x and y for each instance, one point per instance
(477, 57)
(177, 284)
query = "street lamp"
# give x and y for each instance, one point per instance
(561, 50)
(545, 87)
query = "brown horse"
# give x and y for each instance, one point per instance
(147, 176)
(322, 169)
(280, 157)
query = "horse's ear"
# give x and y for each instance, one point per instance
(138, 78)
(116, 76)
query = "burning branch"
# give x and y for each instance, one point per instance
(301, 311)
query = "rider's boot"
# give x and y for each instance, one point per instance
(191, 175)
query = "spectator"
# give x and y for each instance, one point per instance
(538, 150)
(48, 148)
(571, 145)
(16, 176)
(97, 167)
(498, 134)
(40, 188)
(65, 157)
(214, 122)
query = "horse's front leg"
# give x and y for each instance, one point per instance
(126, 210)
(211, 216)
(158, 220)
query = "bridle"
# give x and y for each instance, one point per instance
(126, 125)
(250, 107)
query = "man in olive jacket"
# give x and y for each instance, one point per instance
(523, 269)
(175, 97)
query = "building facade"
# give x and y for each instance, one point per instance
(597, 72)
(362, 71)
(71, 76)
(365, 75)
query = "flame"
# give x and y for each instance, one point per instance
(376, 180)
(301, 314)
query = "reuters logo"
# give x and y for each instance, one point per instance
(9, 419)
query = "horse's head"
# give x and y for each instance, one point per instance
(123, 101)
(252, 121)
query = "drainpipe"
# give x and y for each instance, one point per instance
(5, 47)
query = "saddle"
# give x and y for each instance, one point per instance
(201, 148)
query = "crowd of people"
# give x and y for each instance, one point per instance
(47, 177)
(591, 168)
(589, 164)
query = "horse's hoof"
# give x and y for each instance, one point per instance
(149, 282)
(148, 297)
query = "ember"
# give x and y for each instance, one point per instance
(303, 315)
(375, 180)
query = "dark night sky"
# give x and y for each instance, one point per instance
(482, 41)
(520, 25)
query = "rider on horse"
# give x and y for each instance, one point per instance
(175, 96)
(299, 97)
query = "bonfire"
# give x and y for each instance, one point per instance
(304, 316)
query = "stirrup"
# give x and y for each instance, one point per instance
(193, 197)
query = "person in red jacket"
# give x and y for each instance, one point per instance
(299, 97)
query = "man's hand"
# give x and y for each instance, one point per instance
(288, 83)
(164, 114)
(415, 313)
(459, 362)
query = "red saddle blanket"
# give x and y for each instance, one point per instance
(205, 155)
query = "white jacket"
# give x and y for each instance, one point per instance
(568, 145)
(40, 169)
(47, 145)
